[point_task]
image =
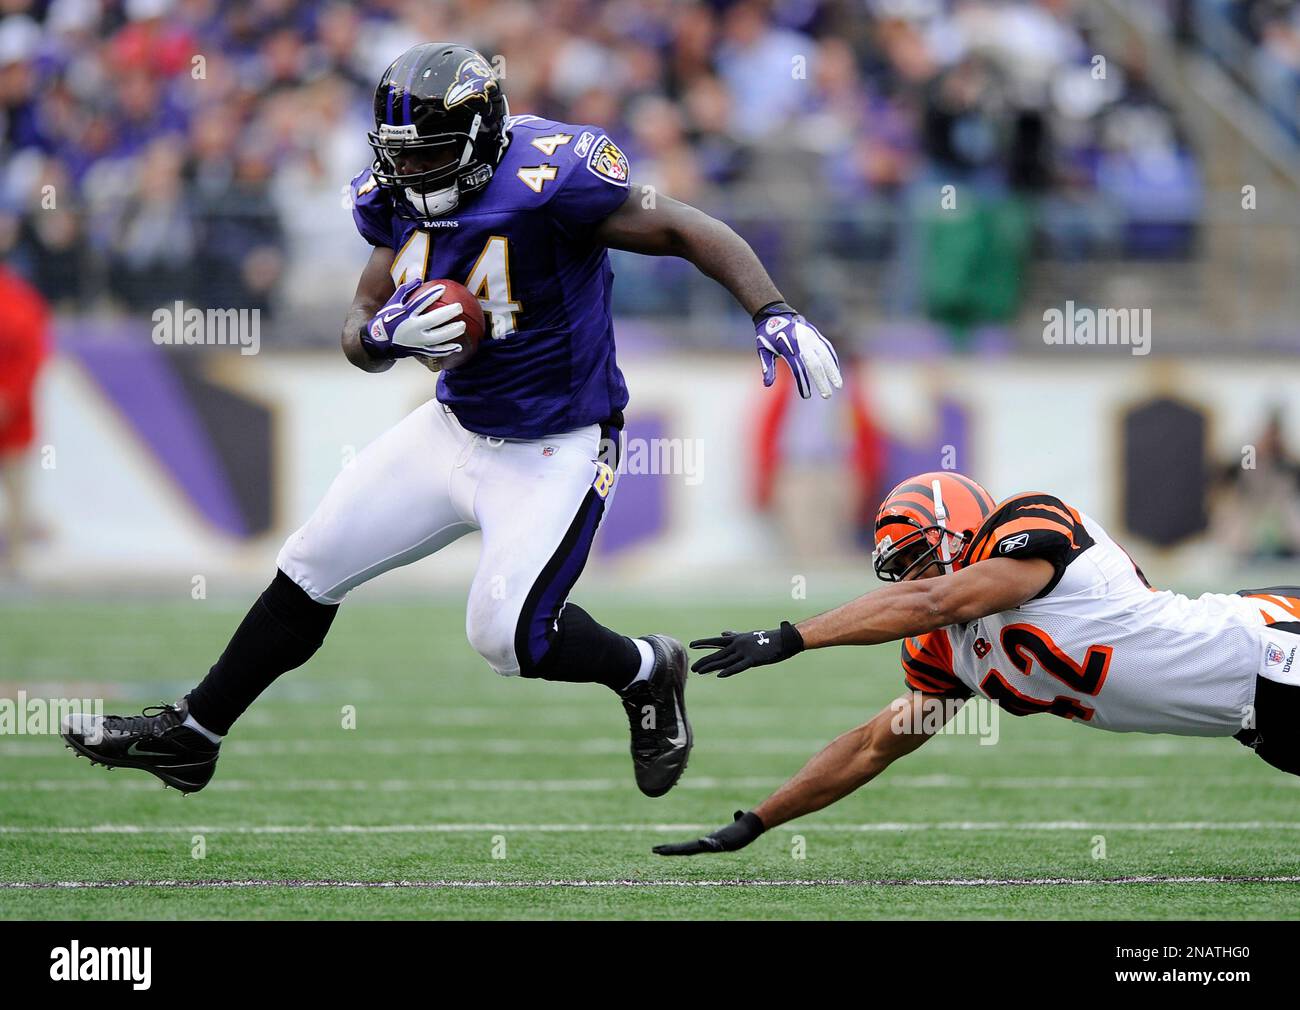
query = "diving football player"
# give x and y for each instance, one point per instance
(1029, 604)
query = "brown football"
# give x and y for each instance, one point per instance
(475, 325)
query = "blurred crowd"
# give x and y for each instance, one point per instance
(1260, 41)
(199, 149)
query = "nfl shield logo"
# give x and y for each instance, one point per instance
(548, 450)
(1273, 655)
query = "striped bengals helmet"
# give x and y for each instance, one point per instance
(928, 520)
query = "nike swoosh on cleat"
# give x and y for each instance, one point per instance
(135, 751)
(187, 764)
(678, 741)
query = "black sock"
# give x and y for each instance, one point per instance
(584, 652)
(282, 631)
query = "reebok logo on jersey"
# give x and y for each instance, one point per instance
(583, 145)
(1014, 543)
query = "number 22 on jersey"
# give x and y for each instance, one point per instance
(1026, 645)
(489, 279)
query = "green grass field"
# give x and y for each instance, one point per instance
(515, 799)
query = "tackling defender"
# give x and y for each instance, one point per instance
(516, 443)
(1030, 604)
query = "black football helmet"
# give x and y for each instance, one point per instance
(440, 127)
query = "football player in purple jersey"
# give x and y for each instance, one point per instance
(521, 441)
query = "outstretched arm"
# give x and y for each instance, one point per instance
(852, 760)
(847, 763)
(672, 228)
(899, 610)
(904, 609)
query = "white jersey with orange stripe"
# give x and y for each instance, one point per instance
(1101, 646)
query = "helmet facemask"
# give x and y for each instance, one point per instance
(915, 552)
(431, 187)
(458, 163)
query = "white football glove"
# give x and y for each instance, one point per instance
(779, 331)
(414, 329)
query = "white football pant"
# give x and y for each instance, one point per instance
(426, 482)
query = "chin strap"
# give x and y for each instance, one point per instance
(421, 201)
(941, 518)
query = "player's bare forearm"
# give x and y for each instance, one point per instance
(843, 765)
(353, 349)
(897, 611)
(912, 608)
(373, 289)
(667, 227)
(847, 763)
(883, 615)
(672, 228)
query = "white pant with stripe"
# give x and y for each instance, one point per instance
(427, 482)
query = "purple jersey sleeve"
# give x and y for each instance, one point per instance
(372, 212)
(596, 184)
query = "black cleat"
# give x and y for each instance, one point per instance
(154, 741)
(656, 714)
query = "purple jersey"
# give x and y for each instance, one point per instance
(524, 246)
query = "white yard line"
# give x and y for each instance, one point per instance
(591, 828)
(104, 783)
(347, 745)
(577, 884)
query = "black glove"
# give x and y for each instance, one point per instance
(752, 648)
(736, 835)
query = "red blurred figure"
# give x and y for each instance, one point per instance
(24, 319)
(151, 41)
(865, 458)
